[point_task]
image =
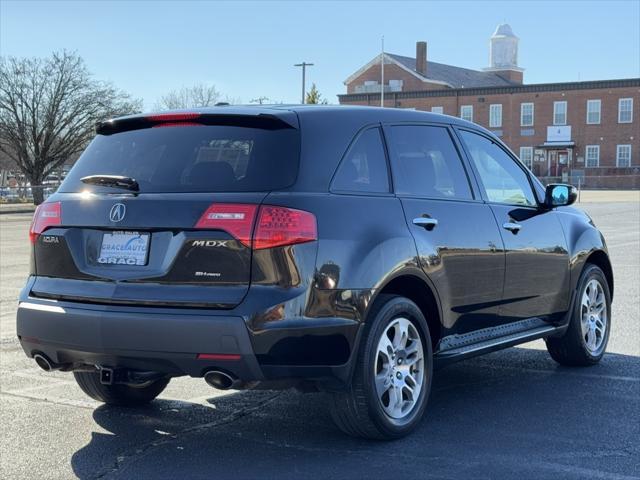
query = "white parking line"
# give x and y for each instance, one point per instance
(560, 372)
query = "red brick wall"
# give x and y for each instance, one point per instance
(511, 75)
(608, 134)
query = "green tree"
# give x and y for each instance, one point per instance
(314, 97)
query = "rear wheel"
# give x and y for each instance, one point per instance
(118, 394)
(585, 340)
(392, 377)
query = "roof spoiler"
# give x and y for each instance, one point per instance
(264, 121)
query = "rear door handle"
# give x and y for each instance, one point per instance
(512, 227)
(426, 222)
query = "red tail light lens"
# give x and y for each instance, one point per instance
(218, 356)
(276, 226)
(46, 215)
(236, 219)
(178, 124)
(279, 226)
(173, 117)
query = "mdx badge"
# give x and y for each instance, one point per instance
(209, 243)
(117, 212)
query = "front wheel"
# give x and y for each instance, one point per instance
(392, 376)
(123, 395)
(585, 340)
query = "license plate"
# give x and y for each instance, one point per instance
(124, 248)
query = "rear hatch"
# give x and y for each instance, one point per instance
(160, 210)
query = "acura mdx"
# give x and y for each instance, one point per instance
(349, 250)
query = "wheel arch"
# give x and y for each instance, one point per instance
(601, 260)
(419, 290)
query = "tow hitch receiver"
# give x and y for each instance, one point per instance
(112, 376)
(106, 376)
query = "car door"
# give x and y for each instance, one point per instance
(537, 261)
(457, 239)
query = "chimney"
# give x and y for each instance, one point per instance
(421, 58)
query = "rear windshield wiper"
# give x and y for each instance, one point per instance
(117, 181)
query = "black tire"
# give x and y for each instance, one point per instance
(122, 395)
(571, 349)
(358, 410)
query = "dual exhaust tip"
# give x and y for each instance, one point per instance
(215, 378)
(221, 380)
(47, 365)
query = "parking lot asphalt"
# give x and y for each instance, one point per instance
(509, 414)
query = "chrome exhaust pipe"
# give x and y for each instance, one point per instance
(220, 380)
(45, 364)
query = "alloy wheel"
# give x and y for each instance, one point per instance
(593, 316)
(399, 368)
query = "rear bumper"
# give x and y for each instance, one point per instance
(162, 340)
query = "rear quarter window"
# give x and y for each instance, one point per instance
(198, 158)
(364, 167)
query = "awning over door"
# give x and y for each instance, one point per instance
(551, 145)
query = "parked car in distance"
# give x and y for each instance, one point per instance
(350, 250)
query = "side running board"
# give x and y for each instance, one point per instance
(460, 347)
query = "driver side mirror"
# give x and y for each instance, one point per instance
(559, 195)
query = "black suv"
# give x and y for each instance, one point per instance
(344, 249)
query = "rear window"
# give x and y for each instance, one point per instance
(199, 158)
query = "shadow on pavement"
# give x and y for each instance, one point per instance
(508, 414)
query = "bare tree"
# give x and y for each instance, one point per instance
(48, 110)
(199, 95)
(260, 100)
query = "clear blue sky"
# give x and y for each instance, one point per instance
(247, 49)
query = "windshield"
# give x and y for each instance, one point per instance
(196, 158)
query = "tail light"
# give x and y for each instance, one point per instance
(46, 215)
(235, 219)
(279, 226)
(275, 226)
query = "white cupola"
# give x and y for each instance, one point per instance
(503, 49)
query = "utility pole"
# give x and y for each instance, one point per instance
(304, 66)
(382, 74)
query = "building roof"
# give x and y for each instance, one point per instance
(498, 90)
(457, 77)
(504, 30)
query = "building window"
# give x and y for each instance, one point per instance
(495, 115)
(625, 110)
(560, 113)
(623, 156)
(466, 112)
(437, 109)
(592, 155)
(526, 114)
(526, 156)
(593, 111)
(395, 85)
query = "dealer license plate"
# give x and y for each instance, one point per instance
(124, 248)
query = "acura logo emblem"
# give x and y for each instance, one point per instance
(117, 212)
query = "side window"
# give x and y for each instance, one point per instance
(426, 163)
(503, 180)
(364, 168)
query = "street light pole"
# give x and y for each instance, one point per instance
(304, 66)
(382, 74)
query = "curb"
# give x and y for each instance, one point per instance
(7, 211)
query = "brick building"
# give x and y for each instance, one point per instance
(585, 130)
